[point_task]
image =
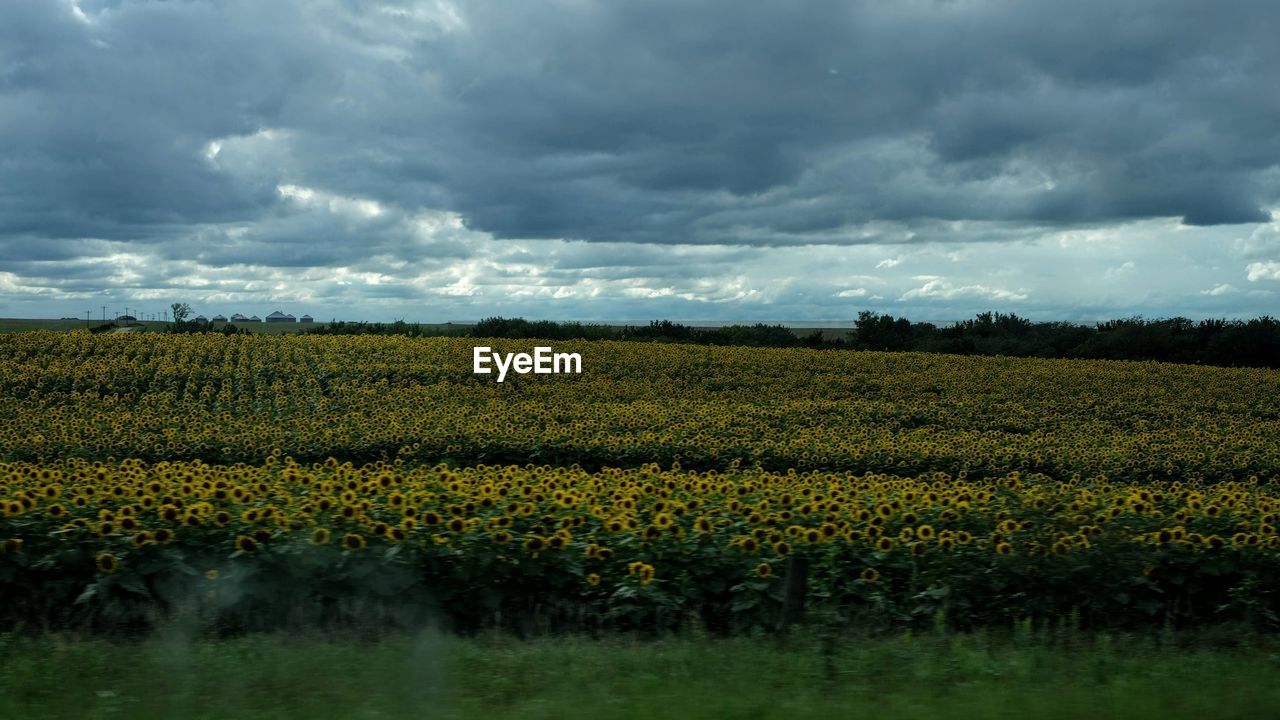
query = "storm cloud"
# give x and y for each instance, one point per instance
(632, 159)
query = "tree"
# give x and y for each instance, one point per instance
(181, 311)
(874, 331)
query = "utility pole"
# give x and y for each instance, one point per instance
(87, 313)
(104, 313)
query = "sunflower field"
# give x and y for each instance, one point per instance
(259, 482)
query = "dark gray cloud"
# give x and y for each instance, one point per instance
(250, 137)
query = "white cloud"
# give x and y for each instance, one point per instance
(852, 293)
(1223, 289)
(940, 289)
(1269, 270)
(77, 13)
(888, 263)
(1263, 242)
(336, 203)
(1119, 271)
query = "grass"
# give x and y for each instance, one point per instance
(429, 675)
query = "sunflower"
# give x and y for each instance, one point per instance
(593, 579)
(534, 544)
(244, 543)
(320, 536)
(1004, 548)
(107, 563)
(869, 575)
(353, 541)
(645, 573)
(211, 575)
(764, 570)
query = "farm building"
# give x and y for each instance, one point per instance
(200, 318)
(277, 317)
(237, 317)
(255, 318)
(306, 319)
(219, 318)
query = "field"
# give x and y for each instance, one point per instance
(663, 481)
(368, 484)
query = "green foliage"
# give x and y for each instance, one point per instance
(1243, 343)
(1043, 674)
(399, 327)
(189, 327)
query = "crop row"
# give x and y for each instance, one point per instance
(239, 399)
(87, 543)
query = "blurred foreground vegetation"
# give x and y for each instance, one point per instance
(1022, 674)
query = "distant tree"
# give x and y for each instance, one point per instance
(181, 311)
(874, 331)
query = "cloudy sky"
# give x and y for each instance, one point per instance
(697, 160)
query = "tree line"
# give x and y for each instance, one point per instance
(1251, 343)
